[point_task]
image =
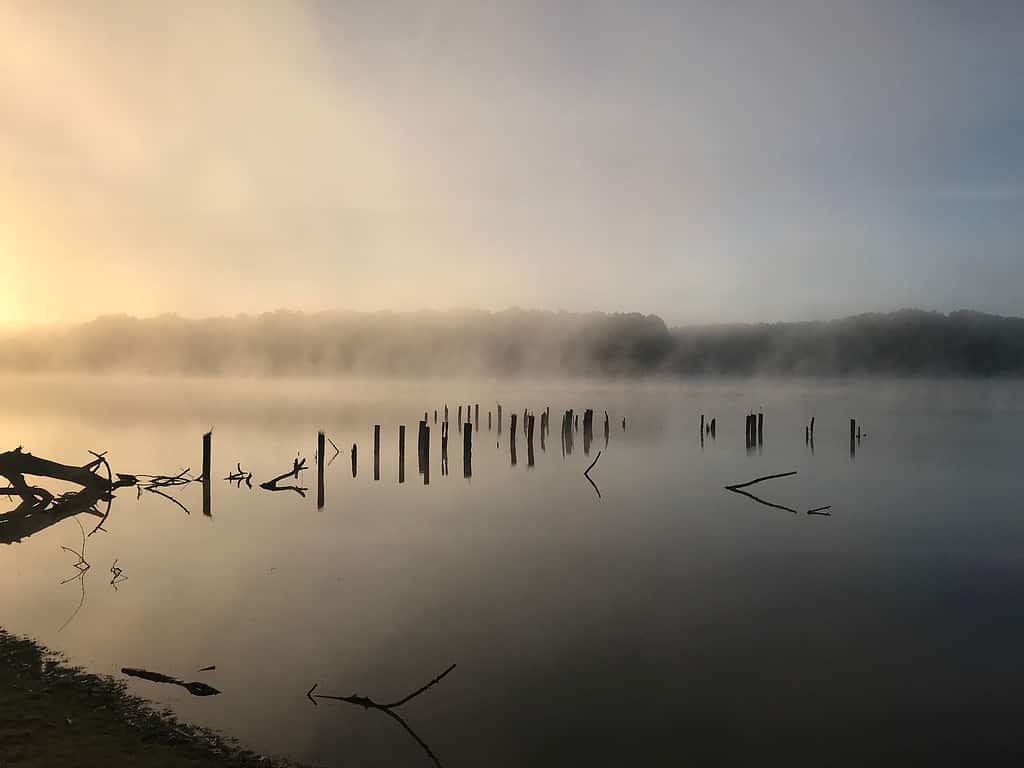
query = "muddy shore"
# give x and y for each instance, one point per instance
(54, 714)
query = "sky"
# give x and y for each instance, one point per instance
(705, 161)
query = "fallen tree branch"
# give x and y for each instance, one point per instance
(389, 709)
(240, 476)
(758, 480)
(298, 465)
(586, 474)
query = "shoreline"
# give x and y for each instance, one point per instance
(52, 713)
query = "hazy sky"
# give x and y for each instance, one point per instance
(705, 161)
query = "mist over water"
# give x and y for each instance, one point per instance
(665, 620)
(521, 343)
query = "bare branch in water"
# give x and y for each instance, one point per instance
(240, 476)
(738, 488)
(389, 709)
(298, 465)
(586, 474)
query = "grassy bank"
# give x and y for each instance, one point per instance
(52, 715)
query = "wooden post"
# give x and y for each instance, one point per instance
(760, 428)
(435, 415)
(488, 421)
(320, 443)
(460, 418)
(476, 416)
(499, 418)
(512, 437)
(812, 427)
(529, 440)
(401, 453)
(207, 461)
(426, 455)
(376, 451)
(713, 420)
(444, 449)
(354, 450)
(467, 450)
(446, 413)
(702, 423)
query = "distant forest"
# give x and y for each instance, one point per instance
(905, 343)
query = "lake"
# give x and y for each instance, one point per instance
(665, 621)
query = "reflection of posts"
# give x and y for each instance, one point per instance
(401, 453)
(426, 455)
(376, 451)
(207, 460)
(444, 449)
(529, 439)
(512, 438)
(321, 445)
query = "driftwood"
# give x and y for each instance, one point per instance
(81, 566)
(240, 476)
(739, 488)
(39, 509)
(196, 689)
(586, 474)
(116, 575)
(298, 465)
(388, 708)
(157, 484)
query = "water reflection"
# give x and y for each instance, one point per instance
(389, 708)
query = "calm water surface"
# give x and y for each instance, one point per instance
(667, 621)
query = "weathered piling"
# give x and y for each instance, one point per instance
(812, 427)
(760, 429)
(713, 425)
(460, 418)
(476, 416)
(623, 423)
(426, 455)
(588, 430)
(543, 430)
(529, 440)
(702, 423)
(576, 423)
(489, 421)
(354, 459)
(499, 418)
(853, 438)
(512, 437)
(320, 445)
(207, 462)
(435, 415)
(376, 451)
(446, 413)
(444, 449)
(401, 453)
(207, 480)
(467, 451)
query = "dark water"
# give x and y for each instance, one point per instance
(668, 621)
